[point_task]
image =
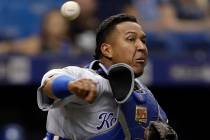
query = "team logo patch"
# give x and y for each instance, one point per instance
(141, 114)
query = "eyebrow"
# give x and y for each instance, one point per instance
(143, 35)
(133, 32)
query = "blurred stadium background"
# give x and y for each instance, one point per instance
(178, 72)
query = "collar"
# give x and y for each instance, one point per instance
(99, 68)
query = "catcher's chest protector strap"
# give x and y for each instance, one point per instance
(98, 68)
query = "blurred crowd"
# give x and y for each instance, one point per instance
(172, 26)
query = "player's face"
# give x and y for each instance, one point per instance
(128, 46)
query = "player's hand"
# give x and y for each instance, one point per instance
(84, 89)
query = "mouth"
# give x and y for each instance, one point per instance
(141, 60)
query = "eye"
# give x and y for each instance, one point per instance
(143, 40)
(131, 39)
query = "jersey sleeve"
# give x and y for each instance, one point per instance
(45, 103)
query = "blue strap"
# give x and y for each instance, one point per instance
(60, 86)
(50, 136)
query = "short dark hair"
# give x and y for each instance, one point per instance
(106, 27)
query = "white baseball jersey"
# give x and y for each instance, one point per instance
(73, 118)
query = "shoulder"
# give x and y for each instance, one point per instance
(64, 70)
(72, 69)
(60, 71)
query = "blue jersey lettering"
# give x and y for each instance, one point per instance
(107, 118)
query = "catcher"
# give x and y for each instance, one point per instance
(84, 103)
(121, 44)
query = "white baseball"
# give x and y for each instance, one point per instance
(70, 10)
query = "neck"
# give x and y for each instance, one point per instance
(106, 62)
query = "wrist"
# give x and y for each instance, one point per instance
(60, 86)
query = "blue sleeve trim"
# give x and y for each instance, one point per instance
(60, 86)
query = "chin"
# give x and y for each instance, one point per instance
(138, 72)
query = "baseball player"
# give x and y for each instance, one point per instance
(121, 39)
(80, 101)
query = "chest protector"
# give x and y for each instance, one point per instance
(141, 108)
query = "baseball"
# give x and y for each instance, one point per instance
(70, 10)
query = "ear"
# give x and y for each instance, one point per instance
(106, 50)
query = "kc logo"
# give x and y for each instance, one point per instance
(108, 120)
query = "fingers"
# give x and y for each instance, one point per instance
(90, 98)
(84, 89)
